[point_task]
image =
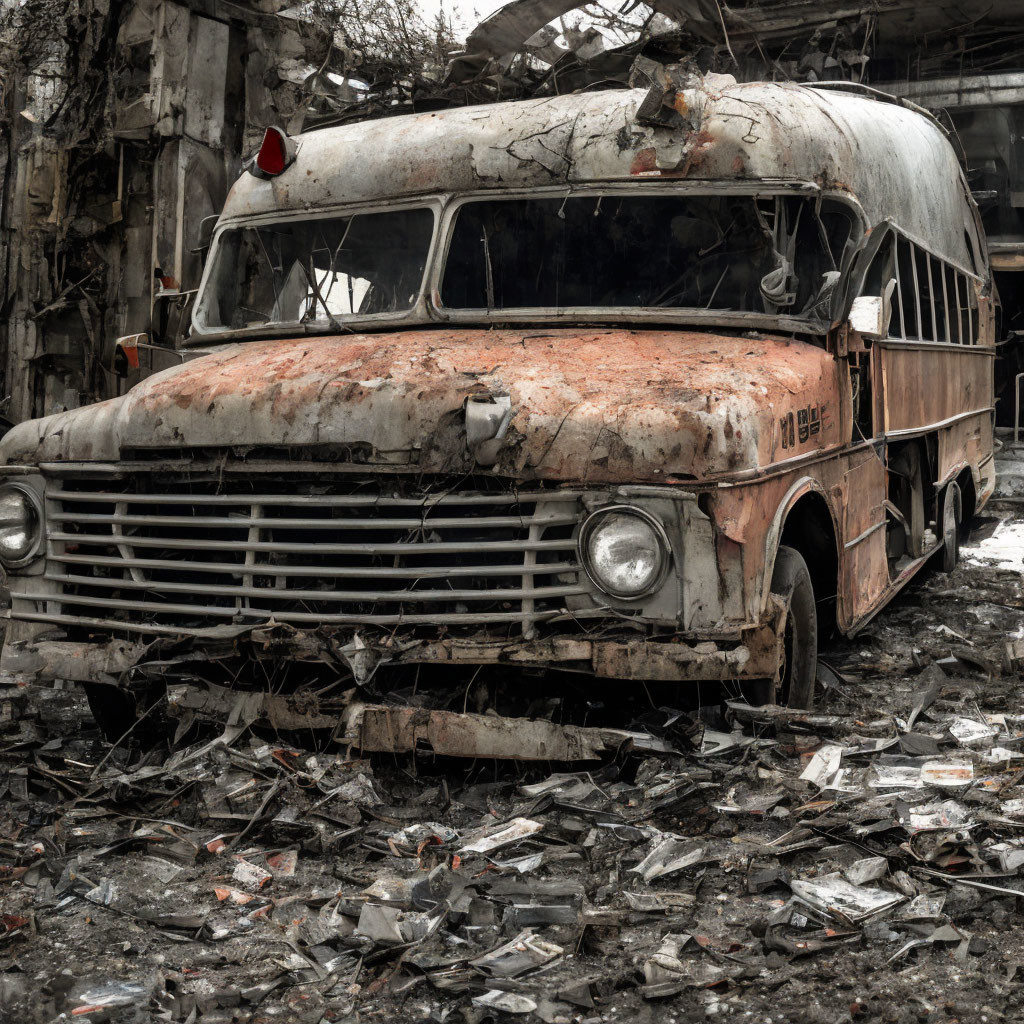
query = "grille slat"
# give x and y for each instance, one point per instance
(398, 548)
(164, 550)
(327, 572)
(334, 596)
(217, 522)
(341, 500)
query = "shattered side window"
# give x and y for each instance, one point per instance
(769, 255)
(319, 271)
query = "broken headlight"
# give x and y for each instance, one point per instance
(21, 524)
(624, 550)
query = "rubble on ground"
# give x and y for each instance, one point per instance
(861, 861)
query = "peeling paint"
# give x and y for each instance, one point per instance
(597, 406)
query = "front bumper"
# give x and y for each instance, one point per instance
(748, 653)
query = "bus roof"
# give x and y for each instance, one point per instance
(895, 162)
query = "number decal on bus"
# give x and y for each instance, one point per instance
(807, 421)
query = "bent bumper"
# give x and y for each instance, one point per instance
(749, 653)
(752, 653)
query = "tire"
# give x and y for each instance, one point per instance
(792, 582)
(950, 511)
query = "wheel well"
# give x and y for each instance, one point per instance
(968, 497)
(809, 529)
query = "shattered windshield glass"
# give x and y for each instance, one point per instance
(774, 255)
(320, 270)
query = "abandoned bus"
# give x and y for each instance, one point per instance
(648, 385)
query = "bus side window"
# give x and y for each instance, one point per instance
(907, 275)
(972, 305)
(938, 286)
(952, 306)
(963, 288)
(922, 265)
(896, 329)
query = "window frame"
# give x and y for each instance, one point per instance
(279, 328)
(628, 314)
(935, 266)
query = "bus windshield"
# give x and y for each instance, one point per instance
(317, 270)
(767, 255)
(770, 256)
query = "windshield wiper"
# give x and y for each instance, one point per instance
(310, 276)
(488, 271)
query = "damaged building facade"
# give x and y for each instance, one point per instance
(123, 126)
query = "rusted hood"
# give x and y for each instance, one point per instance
(598, 405)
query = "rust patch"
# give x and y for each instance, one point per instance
(699, 147)
(644, 162)
(592, 405)
(450, 734)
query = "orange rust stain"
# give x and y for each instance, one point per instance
(646, 160)
(700, 145)
(611, 367)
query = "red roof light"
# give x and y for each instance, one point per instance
(277, 152)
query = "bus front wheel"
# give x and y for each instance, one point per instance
(791, 581)
(947, 556)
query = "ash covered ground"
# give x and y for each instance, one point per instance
(861, 862)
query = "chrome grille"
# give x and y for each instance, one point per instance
(153, 552)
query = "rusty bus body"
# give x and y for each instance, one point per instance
(437, 479)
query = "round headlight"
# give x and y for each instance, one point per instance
(624, 550)
(19, 524)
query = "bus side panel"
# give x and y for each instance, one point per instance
(864, 569)
(925, 384)
(968, 443)
(745, 515)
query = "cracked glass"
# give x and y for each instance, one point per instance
(767, 255)
(320, 271)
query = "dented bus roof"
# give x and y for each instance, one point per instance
(895, 162)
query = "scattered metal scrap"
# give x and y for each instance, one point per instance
(451, 733)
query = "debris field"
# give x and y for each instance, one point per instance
(857, 862)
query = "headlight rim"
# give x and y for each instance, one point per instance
(593, 520)
(37, 541)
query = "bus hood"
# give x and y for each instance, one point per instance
(606, 406)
